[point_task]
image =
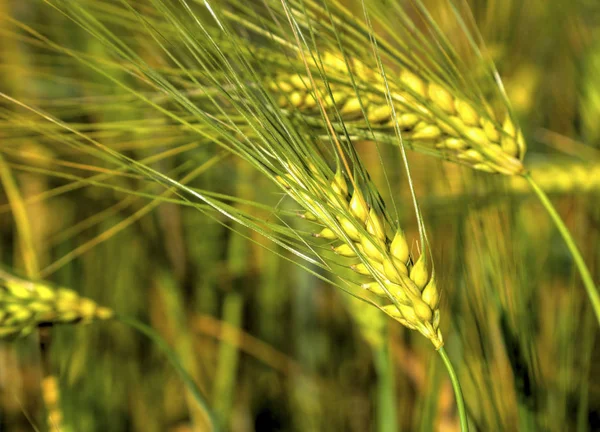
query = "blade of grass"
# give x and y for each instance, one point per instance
(228, 361)
(387, 418)
(21, 219)
(588, 282)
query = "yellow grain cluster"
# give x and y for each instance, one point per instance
(25, 305)
(385, 261)
(426, 112)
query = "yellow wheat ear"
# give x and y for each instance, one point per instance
(376, 252)
(427, 113)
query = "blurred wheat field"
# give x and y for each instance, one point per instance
(177, 183)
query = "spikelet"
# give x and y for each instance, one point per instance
(427, 113)
(384, 262)
(24, 305)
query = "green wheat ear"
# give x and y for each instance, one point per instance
(26, 305)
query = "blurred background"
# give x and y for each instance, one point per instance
(271, 346)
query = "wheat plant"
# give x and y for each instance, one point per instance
(366, 238)
(444, 95)
(254, 119)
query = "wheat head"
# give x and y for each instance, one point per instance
(360, 233)
(25, 305)
(426, 112)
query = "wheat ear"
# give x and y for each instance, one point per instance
(426, 112)
(359, 231)
(25, 305)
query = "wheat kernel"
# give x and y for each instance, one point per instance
(344, 250)
(375, 225)
(467, 114)
(442, 98)
(419, 274)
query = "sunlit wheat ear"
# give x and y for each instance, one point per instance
(360, 234)
(25, 305)
(427, 113)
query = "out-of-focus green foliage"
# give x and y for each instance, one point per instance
(270, 345)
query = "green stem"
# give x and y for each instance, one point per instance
(588, 337)
(228, 359)
(460, 402)
(186, 378)
(588, 282)
(387, 420)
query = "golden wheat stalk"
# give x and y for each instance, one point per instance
(427, 113)
(360, 233)
(25, 305)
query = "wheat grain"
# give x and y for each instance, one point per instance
(426, 112)
(25, 305)
(359, 231)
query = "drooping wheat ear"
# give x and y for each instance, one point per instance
(25, 305)
(427, 113)
(360, 233)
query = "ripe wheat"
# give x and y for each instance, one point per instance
(385, 263)
(426, 112)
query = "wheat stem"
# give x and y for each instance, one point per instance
(588, 282)
(387, 419)
(460, 402)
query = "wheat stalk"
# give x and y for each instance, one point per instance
(426, 112)
(25, 305)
